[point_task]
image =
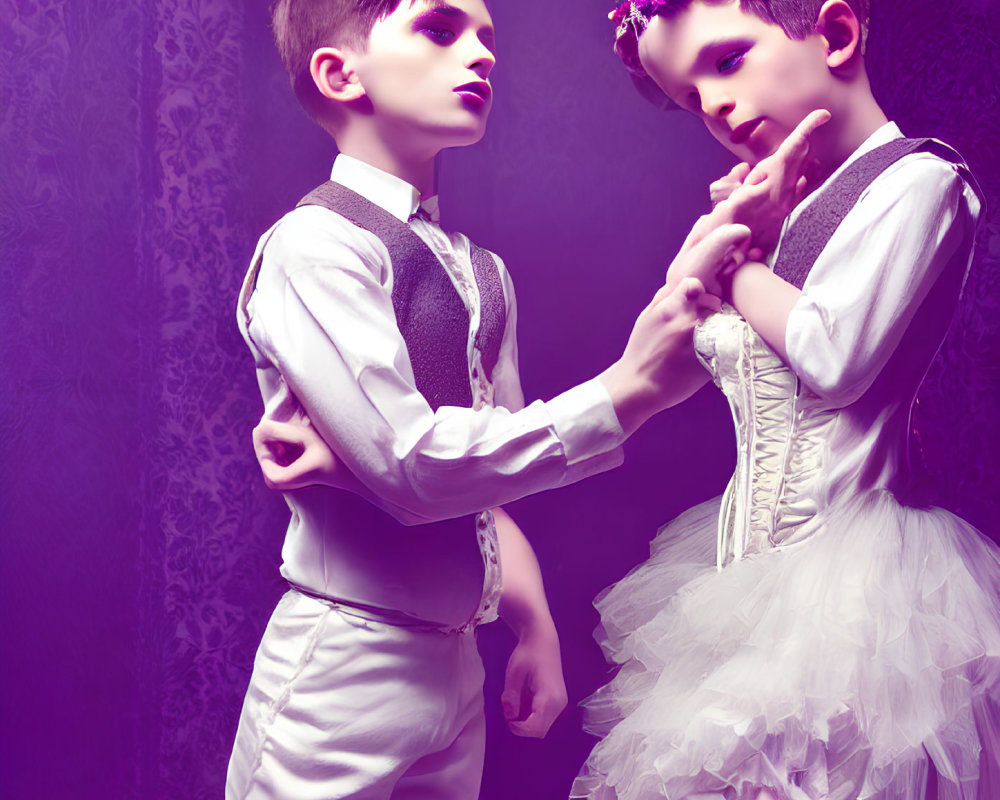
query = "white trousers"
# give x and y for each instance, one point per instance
(344, 707)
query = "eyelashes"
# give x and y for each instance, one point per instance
(445, 29)
(436, 26)
(731, 61)
(436, 34)
(446, 36)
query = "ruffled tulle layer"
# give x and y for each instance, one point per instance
(832, 668)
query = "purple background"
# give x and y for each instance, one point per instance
(145, 146)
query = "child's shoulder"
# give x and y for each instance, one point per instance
(932, 175)
(306, 225)
(311, 236)
(931, 166)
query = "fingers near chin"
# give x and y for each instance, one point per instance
(812, 121)
(820, 116)
(796, 145)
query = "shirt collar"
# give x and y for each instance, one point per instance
(393, 194)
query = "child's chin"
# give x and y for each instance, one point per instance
(744, 153)
(753, 158)
(464, 138)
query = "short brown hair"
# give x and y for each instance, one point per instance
(303, 26)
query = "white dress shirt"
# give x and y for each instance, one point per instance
(869, 281)
(319, 319)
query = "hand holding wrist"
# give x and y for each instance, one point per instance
(774, 186)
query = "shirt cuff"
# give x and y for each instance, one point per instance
(584, 419)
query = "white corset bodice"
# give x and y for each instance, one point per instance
(796, 455)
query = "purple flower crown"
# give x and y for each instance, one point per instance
(631, 19)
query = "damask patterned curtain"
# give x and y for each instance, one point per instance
(139, 554)
(143, 148)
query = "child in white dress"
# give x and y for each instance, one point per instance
(816, 632)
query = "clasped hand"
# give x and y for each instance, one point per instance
(758, 198)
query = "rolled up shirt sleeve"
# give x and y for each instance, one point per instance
(322, 314)
(869, 281)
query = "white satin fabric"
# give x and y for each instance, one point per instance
(347, 707)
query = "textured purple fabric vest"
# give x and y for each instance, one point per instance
(808, 235)
(429, 311)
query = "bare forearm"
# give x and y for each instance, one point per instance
(637, 398)
(523, 605)
(765, 301)
(534, 689)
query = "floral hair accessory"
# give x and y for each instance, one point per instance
(631, 19)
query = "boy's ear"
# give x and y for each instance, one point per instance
(839, 26)
(333, 75)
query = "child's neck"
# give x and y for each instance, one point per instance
(416, 170)
(851, 128)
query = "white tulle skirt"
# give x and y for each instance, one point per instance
(838, 667)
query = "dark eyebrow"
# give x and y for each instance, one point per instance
(441, 7)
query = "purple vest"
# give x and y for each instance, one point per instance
(807, 236)
(429, 311)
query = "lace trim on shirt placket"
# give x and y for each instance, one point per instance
(486, 530)
(460, 268)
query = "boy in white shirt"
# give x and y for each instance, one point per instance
(396, 340)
